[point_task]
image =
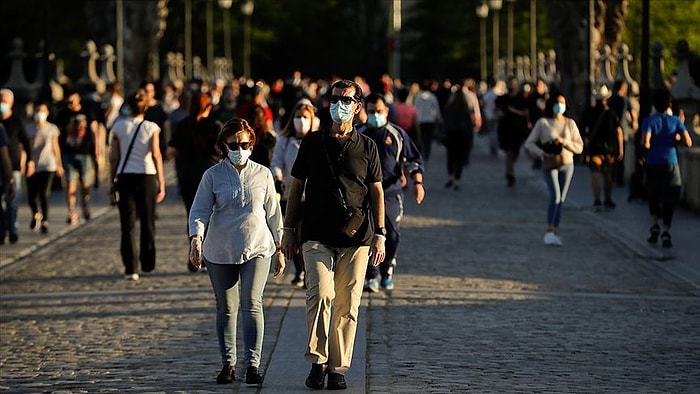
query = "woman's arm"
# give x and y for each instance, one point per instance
(158, 160)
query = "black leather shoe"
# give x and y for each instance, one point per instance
(252, 376)
(336, 381)
(227, 374)
(316, 377)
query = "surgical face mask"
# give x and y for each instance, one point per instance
(559, 108)
(239, 156)
(341, 113)
(302, 125)
(377, 120)
(4, 108)
(40, 116)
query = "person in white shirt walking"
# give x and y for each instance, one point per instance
(236, 203)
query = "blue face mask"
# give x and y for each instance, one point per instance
(238, 156)
(341, 113)
(4, 108)
(559, 108)
(376, 120)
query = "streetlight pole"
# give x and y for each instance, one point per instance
(210, 38)
(482, 12)
(188, 39)
(120, 42)
(509, 39)
(226, 5)
(496, 6)
(396, 22)
(247, 7)
(533, 39)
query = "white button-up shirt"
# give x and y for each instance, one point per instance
(240, 212)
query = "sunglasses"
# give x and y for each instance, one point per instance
(345, 99)
(238, 145)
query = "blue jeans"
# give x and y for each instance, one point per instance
(8, 214)
(558, 182)
(240, 285)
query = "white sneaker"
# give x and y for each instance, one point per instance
(133, 277)
(552, 239)
(548, 238)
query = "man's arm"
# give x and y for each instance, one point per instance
(377, 249)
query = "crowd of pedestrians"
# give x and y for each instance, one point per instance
(315, 171)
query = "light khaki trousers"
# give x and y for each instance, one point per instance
(334, 280)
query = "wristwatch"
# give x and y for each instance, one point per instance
(380, 231)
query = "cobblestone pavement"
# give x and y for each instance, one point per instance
(480, 304)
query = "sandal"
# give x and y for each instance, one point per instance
(666, 240)
(72, 217)
(654, 234)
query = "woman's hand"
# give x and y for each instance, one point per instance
(161, 195)
(280, 263)
(196, 252)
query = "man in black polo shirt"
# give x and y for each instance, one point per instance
(339, 172)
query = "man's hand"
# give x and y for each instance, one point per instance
(419, 192)
(289, 243)
(377, 251)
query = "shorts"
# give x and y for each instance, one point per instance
(600, 163)
(78, 167)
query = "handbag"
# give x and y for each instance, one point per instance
(354, 217)
(114, 189)
(552, 162)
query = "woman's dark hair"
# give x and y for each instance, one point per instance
(137, 102)
(549, 105)
(233, 127)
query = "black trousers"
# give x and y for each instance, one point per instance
(39, 187)
(137, 198)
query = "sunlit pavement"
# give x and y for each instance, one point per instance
(480, 303)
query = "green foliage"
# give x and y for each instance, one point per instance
(439, 38)
(670, 21)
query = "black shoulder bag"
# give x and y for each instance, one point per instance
(114, 189)
(354, 217)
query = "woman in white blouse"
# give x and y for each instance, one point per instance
(138, 173)
(237, 205)
(302, 122)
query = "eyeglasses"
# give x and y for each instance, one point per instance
(238, 145)
(345, 99)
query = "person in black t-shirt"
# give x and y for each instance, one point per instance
(339, 172)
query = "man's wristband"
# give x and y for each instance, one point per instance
(417, 182)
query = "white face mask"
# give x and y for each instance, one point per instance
(377, 120)
(341, 113)
(40, 116)
(239, 156)
(302, 125)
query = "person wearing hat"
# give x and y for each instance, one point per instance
(604, 145)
